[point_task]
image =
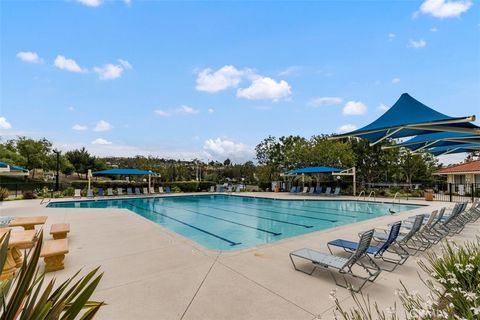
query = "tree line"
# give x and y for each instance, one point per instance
(274, 157)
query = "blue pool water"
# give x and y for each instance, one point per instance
(222, 222)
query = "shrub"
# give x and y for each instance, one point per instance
(4, 193)
(69, 192)
(457, 272)
(175, 189)
(29, 195)
(26, 296)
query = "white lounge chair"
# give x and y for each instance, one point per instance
(89, 193)
(212, 189)
(110, 192)
(77, 193)
(152, 190)
(160, 190)
(145, 190)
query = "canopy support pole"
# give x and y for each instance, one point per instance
(386, 136)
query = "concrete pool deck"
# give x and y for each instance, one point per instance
(153, 273)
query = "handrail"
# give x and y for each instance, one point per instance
(374, 197)
(395, 197)
(360, 194)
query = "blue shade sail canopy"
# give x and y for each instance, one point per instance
(459, 148)
(314, 170)
(409, 117)
(8, 169)
(439, 139)
(125, 172)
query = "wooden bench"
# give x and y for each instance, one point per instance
(53, 252)
(60, 230)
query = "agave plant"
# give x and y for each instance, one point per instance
(26, 296)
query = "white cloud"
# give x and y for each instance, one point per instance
(210, 110)
(382, 107)
(417, 43)
(182, 110)
(127, 2)
(290, 71)
(395, 80)
(109, 71)
(186, 110)
(161, 113)
(71, 108)
(225, 148)
(29, 56)
(346, 128)
(434, 29)
(67, 64)
(101, 141)
(90, 3)
(352, 108)
(265, 88)
(324, 101)
(102, 125)
(226, 77)
(391, 36)
(79, 127)
(445, 8)
(125, 64)
(4, 124)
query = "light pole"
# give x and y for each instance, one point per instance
(57, 152)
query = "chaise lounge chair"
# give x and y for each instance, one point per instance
(129, 192)
(110, 192)
(119, 192)
(77, 193)
(335, 193)
(145, 190)
(160, 190)
(328, 191)
(377, 251)
(137, 191)
(343, 265)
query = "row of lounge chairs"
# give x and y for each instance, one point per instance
(315, 191)
(386, 249)
(129, 192)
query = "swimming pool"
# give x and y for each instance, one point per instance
(223, 222)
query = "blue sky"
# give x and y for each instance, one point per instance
(212, 79)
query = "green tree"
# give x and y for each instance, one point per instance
(34, 152)
(80, 160)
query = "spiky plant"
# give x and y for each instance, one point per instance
(26, 296)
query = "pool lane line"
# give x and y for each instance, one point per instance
(332, 209)
(232, 243)
(316, 211)
(289, 214)
(259, 217)
(226, 220)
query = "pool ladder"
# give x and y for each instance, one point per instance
(360, 194)
(393, 203)
(370, 195)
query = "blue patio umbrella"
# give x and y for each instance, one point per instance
(124, 172)
(409, 117)
(314, 170)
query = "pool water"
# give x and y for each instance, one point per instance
(223, 222)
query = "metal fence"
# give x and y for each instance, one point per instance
(16, 189)
(455, 192)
